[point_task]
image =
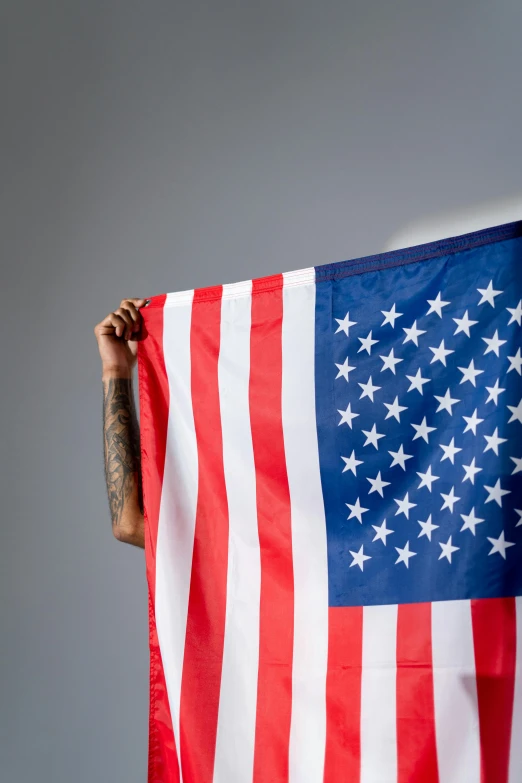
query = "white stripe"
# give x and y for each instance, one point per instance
(455, 692)
(310, 652)
(515, 759)
(234, 760)
(179, 298)
(233, 290)
(178, 507)
(379, 695)
(300, 277)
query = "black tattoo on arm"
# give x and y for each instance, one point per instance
(121, 445)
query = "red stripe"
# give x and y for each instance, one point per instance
(343, 695)
(203, 655)
(494, 636)
(274, 693)
(154, 413)
(416, 744)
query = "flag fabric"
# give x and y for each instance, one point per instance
(332, 478)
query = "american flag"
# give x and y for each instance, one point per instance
(332, 465)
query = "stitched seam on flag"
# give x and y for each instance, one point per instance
(243, 289)
(154, 739)
(340, 269)
(417, 253)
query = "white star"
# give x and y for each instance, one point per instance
(470, 471)
(381, 531)
(519, 512)
(440, 353)
(516, 410)
(390, 317)
(472, 422)
(496, 493)
(413, 334)
(347, 416)
(493, 344)
(494, 392)
(404, 554)
(417, 381)
(446, 402)
(436, 305)
(449, 500)
(427, 479)
(344, 324)
(427, 528)
(463, 324)
(377, 484)
(389, 362)
(516, 314)
(368, 389)
(469, 373)
(356, 510)
(366, 343)
(404, 506)
(470, 521)
(359, 558)
(399, 457)
(515, 362)
(518, 464)
(447, 549)
(351, 463)
(422, 430)
(372, 437)
(344, 370)
(499, 545)
(494, 441)
(449, 451)
(488, 294)
(394, 409)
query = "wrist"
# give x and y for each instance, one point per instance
(116, 371)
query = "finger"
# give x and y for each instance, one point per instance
(109, 322)
(128, 304)
(123, 313)
(133, 305)
(136, 302)
(112, 324)
(133, 312)
(116, 322)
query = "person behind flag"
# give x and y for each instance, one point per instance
(274, 657)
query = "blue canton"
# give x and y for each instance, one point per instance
(419, 411)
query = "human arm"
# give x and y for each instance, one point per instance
(121, 444)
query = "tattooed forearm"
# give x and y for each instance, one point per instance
(121, 445)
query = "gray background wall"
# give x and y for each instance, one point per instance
(153, 147)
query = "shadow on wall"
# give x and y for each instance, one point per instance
(462, 221)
